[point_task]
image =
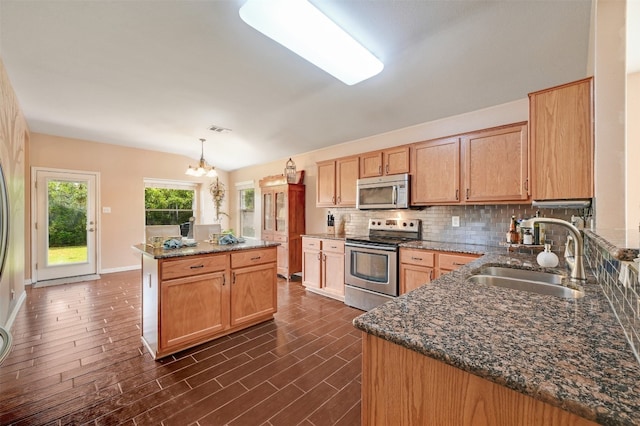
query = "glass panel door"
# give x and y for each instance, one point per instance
(281, 211)
(268, 223)
(66, 228)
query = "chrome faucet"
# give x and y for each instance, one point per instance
(575, 262)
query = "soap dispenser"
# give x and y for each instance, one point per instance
(547, 258)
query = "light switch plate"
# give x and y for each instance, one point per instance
(455, 221)
(106, 210)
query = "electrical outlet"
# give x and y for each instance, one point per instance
(455, 221)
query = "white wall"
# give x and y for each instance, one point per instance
(609, 82)
(633, 150)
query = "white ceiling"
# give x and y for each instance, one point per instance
(157, 74)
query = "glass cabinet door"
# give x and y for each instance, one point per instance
(268, 223)
(281, 210)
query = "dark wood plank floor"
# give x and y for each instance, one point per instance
(77, 359)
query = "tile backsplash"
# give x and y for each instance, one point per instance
(479, 224)
(620, 287)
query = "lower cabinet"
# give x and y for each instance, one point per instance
(253, 287)
(419, 267)
(193, 299)
(323, 266)
(404, 387)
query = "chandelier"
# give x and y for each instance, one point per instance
(203, 169)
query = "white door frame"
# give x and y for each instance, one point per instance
(34, 216)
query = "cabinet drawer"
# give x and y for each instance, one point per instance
(311, 243)
(417, 257)
(333, 246)
(195, 265)
(281, 238)
(454, 261)
(253, 257)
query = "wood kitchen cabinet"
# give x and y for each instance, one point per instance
(336, 182)
(190, 299)
(194, 300)
(487, 166)
(283, 221)
(402, 386)
(253, 286)
(496, 165)
(436, 172)
(448, 262)
(562, 147)
(391, 161)
(323, 266)
(419, 266)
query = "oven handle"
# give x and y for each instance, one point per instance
(370, 247)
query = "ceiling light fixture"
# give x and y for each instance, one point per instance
(303, 29)
(203, 169)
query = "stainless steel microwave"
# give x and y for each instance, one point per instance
(384, 192)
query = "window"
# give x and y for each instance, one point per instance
(169, 203)
(246, 195)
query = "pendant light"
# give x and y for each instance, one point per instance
(203, 169)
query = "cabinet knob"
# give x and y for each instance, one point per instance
(224, 279)
(416, 258)
(467, 193)
(386, 168)
(196, 266)
(256, 258)
(233, 281)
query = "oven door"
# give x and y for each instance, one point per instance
(372, 268)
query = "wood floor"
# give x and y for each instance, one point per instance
(77, 359)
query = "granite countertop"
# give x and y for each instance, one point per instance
(327, 236)
(202, 247)
(452, 247)
(622, 244)
(569, 353)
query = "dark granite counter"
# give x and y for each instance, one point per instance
(569, 353)
(452, 247)
(622, 244)
(201, 248)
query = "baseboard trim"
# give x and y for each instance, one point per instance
(120, 269)
(16, 309)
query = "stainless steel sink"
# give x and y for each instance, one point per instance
(525, 280)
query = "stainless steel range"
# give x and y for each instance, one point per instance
(371, 262)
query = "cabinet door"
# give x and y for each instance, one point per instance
(561, 120)
(333, 272)
(396, 161)
(283, 259)
(280, 196)
(253, 293)
(268, 211)
(436, 172)
(193, 308)
(371, 164)
(326, 184)
(413, 276)
(496, 164)
(347, 172)
(311, 268)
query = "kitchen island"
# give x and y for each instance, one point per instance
(454, 352)
(191, 295)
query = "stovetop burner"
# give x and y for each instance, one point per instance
(389, 232)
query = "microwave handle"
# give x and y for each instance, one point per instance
(395, 195)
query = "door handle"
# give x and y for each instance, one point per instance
(90, 230)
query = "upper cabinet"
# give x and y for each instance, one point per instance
(436, 172)
(390, 161)
(561, 120)
(496, 165)
(487, 166)
(336, 182)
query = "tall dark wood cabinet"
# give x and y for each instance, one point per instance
(283, 221)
